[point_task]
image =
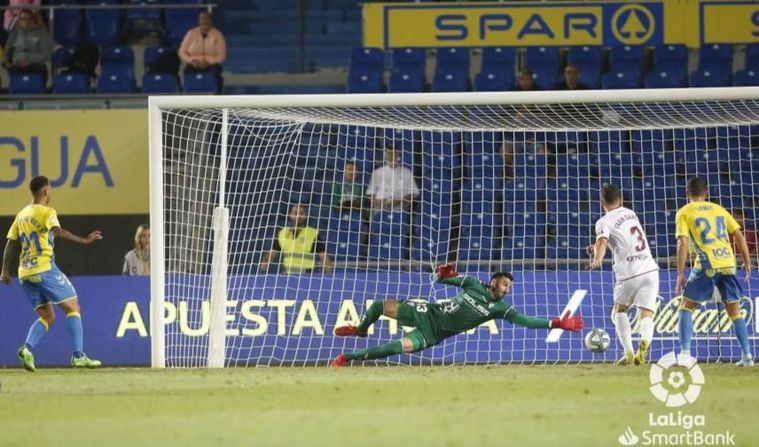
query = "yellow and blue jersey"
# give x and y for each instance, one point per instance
(32, 227)
(708, 226)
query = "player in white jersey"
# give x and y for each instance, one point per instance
(635, 270)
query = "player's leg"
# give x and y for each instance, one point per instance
(414, 341)
(730, 289)
(622, 301)
(699, 288)
(388, 308)
(46, 317)
(645, 301)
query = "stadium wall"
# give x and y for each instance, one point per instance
(116, 318)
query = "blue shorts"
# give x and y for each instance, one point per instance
(700, 287)
(51, 286)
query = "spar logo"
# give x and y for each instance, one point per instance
(676, 380)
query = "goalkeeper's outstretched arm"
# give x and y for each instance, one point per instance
(566, 322)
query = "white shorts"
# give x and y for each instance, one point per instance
(639, 290)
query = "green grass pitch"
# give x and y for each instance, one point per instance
(564, 405)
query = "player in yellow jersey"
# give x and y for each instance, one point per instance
(707, 227)
(34, 231)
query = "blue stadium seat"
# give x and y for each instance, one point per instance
(451, 78)
(664, 78)
(71, 83)
(432, 238)
(519, 247)
(485, 165)
(115, 80)
(452, 56)
(525, 189)
(62, 58)
(622, 76)
(152, 54)
(67, 27)
(752, 57)
(402, 139)
(26, 84)
(150, 17)
(590, 72)
(365, 79)
(625, 54)
(200, 82)
(359, 137)
(716, 53)
(714, 77)
(746, 78)
(117, 56)
(388, 238)
(530, 165)
(406, 79)
(494, 78)
(159, 83)
(416, 57)
(582, 54)
(544, 73)
(670, 53)
(176, 24)
(344, 237)
(542, 56)
(372, 57)
(103, 26)
(499, 56)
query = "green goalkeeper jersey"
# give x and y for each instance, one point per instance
(473, 306)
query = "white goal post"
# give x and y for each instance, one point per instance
(505, 180)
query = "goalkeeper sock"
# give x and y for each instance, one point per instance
(36, 331)
(741, 333)
(74, 325)
(372, 314)
(686, 330)
(624, 331)
(392, 348)
(647, 329)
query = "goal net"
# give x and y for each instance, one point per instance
(265, 238)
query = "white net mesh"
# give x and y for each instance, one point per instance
(494, 188)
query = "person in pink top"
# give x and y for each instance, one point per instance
(203, 48)
(11, 14)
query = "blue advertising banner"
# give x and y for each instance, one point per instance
(275, 319)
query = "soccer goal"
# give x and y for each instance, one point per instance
(498, 181)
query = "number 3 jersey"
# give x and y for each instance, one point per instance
(708, 226)
(632, 255)
(32, 227)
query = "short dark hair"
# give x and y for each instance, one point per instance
(611, 194)
(500, 275)
(697, 187)
(37, 183)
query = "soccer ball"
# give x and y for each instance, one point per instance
(597, 340)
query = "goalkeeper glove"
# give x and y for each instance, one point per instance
(447, 271)
(567, 322)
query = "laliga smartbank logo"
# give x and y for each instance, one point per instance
(676, 381)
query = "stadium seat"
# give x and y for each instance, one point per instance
(432, 239)
(752, 57)
(530, 165)
(117, 56)
(542, 56)
(658, 78)
(73, 83)
(152, 54)
(494, 78)
(366, 56)
(365, 79)
(62, 58)
(115, 80)
(406, 79)
(670, 54)
(416, 57)
(715, 77)
(103, 25)
(746, 78)
(145, 21)
(721, 54)
(622, 76)
(625, 54)
(519, 247)
(451, 78)
(176, 24)
(200, 82)
(388, 236)
(452, 56)
(544, 74)
(590, 72)
(67, 27)
(159, 83)
(26, 84)
(344, 237)
(583, 54)
(499, 56)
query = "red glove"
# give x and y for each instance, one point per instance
(567, 322)
(447, 271)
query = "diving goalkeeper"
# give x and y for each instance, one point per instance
(434, 322)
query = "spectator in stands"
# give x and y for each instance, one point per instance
(571, 79)
(28, 48)
(748, 233)
(137, 261)
(525, 81)
(11, 14)
(203, 48)
(298, 243)
(347, 194)
(391, 186)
